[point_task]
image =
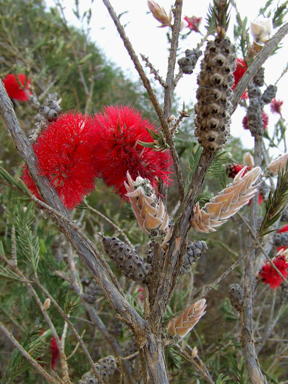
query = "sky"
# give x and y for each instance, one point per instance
(146, 38)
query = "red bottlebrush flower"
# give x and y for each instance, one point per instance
(14, 89)
(66, 155)
(276, 106)
(117, 132)
(265, 120)
(269, 276)
(241, 68)
(54, 352)
(193, 23)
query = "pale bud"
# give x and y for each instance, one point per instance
(248, 159)
(194, 352)
(160, 14)
(47, 303)
(278, 164)
(171, 118)
(261, 29)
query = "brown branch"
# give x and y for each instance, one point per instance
(257, 63)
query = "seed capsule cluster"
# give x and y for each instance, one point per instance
(106, 368)
(193, 253)
(214, 94)
(236, 296)
(127, 260)
(281, 239)
(188, 63)
(92, 292)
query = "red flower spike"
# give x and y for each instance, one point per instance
(241, 68)
(66, 155)
(269, 276)
(265, 120)
(14, 89)
(117, 132)
(54, 352)
(276, 106)
(193, 23)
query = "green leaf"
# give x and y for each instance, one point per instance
(87, 57)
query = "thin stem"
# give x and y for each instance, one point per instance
(78, 337)
(33, 362)
(109, 222)
(150, 92)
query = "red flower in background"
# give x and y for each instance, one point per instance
(14, 89)
(276, 106)
(66, 155)
(233, 169)
(282, 230)
(193, 23)
(269, 276)
(241, 68)
(54, 352)
(117, 132)
(265, 120)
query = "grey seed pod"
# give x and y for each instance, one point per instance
(236, 296)
(54, 105)
(92, 292)
(38, 118)
(130, 347)
(188, 63)
(115, 328)
(269, 94)
(214, 94)
(259, 77)
(52, 115)
(106, 368)
(284, 216)
(127, 260)
(254, 113)
(281, 239)
(193, 253)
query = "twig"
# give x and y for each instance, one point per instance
(153, 70)
(162, 117)
(33, 362)
(109, 222)
(257, 63)
(202, 372)
(76, 347)
(46, 316)
(78, 337)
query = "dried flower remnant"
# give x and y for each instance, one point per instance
(265, 120)
(268, 275)
(187, 321)
(227, 203)
(14, 89)
(261, 29)
(241, 68)
(193, 23)
(117, 133)
(66, 155)
(278, 164)
(276, 106)
(160, 14)
(149, 211)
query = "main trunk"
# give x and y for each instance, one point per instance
(154, 359)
